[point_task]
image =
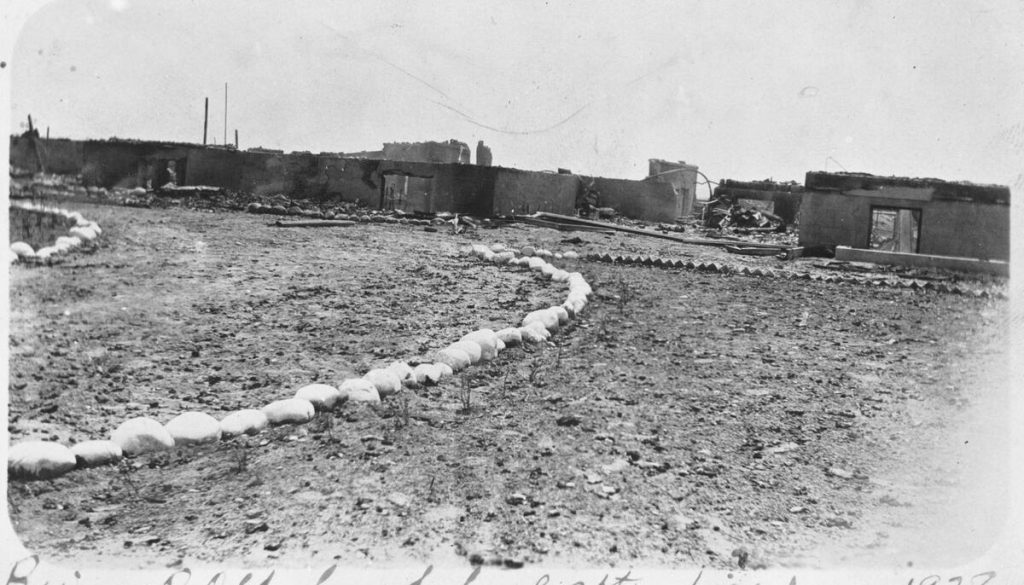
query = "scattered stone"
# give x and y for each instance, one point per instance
(840, 473)
(516, 499)
(615, 466)
(568, 420)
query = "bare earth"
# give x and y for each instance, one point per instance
(686, 419)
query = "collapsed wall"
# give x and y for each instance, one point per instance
(413, 186)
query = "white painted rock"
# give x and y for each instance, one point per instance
(560, 275)
(289, 411)
(546, 317)
(578, 284)
(480, 250)
(454, 358)
(140, 435)
(386, 381)
(95, 453)
(321, 396)
(510, 336)
(12, 257)
(472, 349)
(569, 309)
(529, 250)
(39, 460)
(503, 258)
(523, 261)
(543, 253)
(487, 255)
(65, 243)
(561, 314)
(487, 340)
(570, 255)
(190, 428)
(446, 370)
(95, 227)
(548, 270)
(402, 370)
(46, 252)
(498, 248)
(577, 300)
(427, 374)
(500, 346)
(22, 249)
(87, 234)
(534, 333)
(248, 421)
(360, 390)
(537, 264)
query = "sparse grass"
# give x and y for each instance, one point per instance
(466, 396)
(402, 412)
(126, 471)
(626, 294)
(241, 453)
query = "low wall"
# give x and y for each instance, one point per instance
(644, 200)
(997, 267)
(948, 227)
(525, 192)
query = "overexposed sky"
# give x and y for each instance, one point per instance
(744, 90)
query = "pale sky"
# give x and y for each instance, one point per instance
(744, 90)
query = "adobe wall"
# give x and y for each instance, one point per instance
(948, 227)
(60, 155)
(434, 152)
(130, 164)
(681, 176)
(525, 192)
(644, 200)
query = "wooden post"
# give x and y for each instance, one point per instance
(206, 119)
(30, 122)
(236, 138)
(225, 113)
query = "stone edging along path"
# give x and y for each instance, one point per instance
(36, 459)
(725, 268)
(83, 232)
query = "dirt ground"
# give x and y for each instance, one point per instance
(685, 419)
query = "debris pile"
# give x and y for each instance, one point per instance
(723, 214)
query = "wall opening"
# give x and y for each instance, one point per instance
(895, 229)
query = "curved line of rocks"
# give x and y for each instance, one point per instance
(82, 233)
(725, 268)
(36, 459)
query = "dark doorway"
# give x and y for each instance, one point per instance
(895, 229)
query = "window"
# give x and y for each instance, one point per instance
(894, 229)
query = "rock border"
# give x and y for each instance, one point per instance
(725, 268)
(83, 232)
(37, 459)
